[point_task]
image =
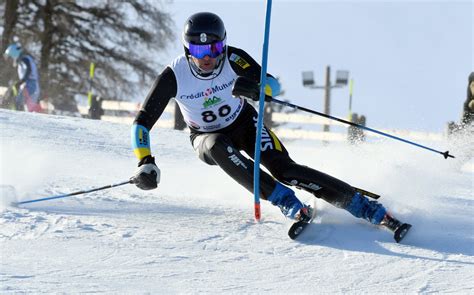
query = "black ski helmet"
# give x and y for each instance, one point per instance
(203, 28)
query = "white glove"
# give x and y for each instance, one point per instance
(148, 175)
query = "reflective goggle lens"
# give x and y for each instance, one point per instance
(212, 50)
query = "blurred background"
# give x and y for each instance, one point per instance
(404, 64)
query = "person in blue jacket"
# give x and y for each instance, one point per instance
(27, 85)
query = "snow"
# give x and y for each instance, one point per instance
(196, 233)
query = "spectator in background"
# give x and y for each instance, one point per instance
(27, 86)
(468, 107)
(95, 108)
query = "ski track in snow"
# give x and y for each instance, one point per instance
(196, 233)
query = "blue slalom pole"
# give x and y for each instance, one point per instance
(261, 104)
(76, 193)
(445, 154)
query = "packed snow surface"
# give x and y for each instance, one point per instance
(196, 232)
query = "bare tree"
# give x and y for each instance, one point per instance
(8, 8)
(123, 39)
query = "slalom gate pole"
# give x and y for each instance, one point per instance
(91, 80)
(261, 112)
(76, 193)
(445, 154)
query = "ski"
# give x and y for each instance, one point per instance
(298, 227)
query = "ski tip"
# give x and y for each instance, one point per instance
(296, 229)
(401, 232)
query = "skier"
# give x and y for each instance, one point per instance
(221, 126)
(28, 84)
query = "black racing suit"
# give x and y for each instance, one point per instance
(223, 147)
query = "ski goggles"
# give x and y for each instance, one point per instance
(212, 50)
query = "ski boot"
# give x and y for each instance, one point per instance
(361, 207)
(301, 214)
(372, 211)
(285, 199)
(398, 228)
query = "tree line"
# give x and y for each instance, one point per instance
(123, 38)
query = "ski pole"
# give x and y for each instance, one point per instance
(445, 154)
(76, 193)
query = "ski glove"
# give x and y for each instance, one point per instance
(147, 175)
(247, 88)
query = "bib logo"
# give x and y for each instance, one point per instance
(210, 101)
(208, 91)
(194, 125)
(239, 60)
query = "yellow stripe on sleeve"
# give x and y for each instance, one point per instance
(141, 153)
(276, 141)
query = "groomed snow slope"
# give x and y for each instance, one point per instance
(196, 233)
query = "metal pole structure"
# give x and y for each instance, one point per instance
(261, 112)
(351, 85)
(91, 78)
(327, 96)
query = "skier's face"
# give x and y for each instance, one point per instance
(207, 64)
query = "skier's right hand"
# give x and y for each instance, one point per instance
(147, 176)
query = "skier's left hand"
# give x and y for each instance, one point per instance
(248, 88)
